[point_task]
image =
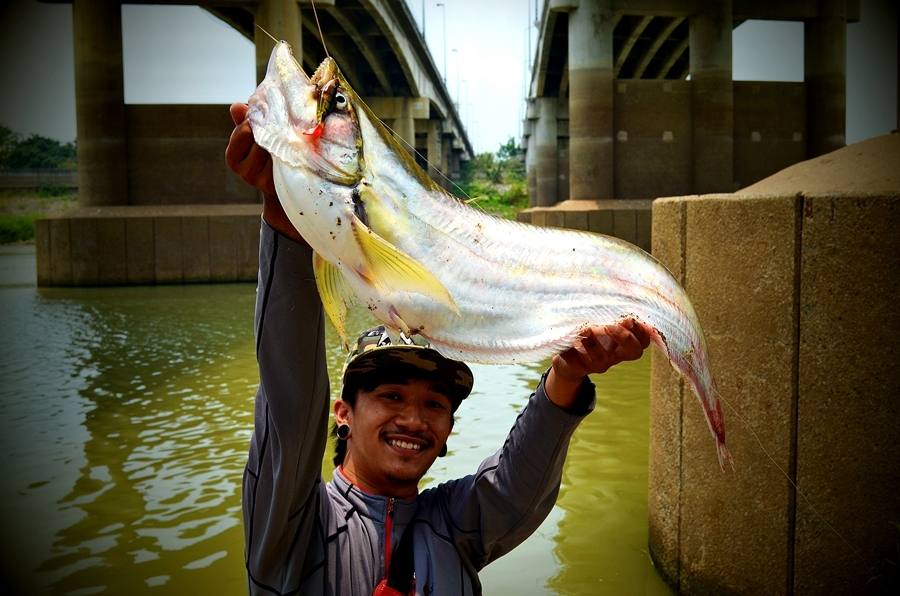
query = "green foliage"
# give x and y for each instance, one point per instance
(35, 151)
(17, 228)
(496, 181)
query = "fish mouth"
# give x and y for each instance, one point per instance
(289, 114)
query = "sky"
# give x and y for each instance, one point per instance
(181, 54)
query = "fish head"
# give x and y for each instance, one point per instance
(308, 122)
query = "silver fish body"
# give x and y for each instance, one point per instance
(484, 289)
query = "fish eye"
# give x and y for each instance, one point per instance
(340, 100)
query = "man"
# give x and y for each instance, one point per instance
(370, 530)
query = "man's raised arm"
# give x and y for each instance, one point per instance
(283, 473)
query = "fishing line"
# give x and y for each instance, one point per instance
(319, 27)
(806, 499)
(272, 37)
(413, 149)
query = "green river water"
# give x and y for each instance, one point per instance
(126, 415)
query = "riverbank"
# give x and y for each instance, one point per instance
(19, 208)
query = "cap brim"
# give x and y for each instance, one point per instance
(455, 375)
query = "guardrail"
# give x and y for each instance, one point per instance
(38, 178)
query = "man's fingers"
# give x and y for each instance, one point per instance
(628, 347)
(239, 145)
(238, 112)
(640, 330)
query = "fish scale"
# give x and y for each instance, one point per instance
(480, 288)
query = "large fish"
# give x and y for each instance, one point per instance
(479, 288)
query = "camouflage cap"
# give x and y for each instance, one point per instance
(376, 351)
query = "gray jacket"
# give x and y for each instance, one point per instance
(303, 536)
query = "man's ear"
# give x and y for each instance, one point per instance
(343, 413)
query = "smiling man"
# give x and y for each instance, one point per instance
(370, 530)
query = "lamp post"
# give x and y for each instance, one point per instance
(444, 14)
(456, 53)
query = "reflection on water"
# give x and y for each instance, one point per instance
(126, 414)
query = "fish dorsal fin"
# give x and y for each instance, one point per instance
(391, 268)
(335, 293)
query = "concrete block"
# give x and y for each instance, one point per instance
(140, 250)
(523, 216)
(168, 240)
(625, 225)
(849, 382)
(195, 248)
(775, 112)
(740, 269)
(85, 269)
(60, 252)
(666, 397)
(601, 222)
(576, 220)
(658, 125)
(247, 242)
(554, 219)
(643, 228)
(112, 251)
(175, 156)
(222, 249)
(539, 218)
(42, 251)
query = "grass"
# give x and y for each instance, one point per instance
(20, 207)
(502, 200)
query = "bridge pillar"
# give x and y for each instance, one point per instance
(591, 77)
(401, 113)
(825, 74)
(433, 149)
(712, 104)
(100, 103)
(281, 18)
(545, 145)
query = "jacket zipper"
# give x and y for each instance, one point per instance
(388, 529)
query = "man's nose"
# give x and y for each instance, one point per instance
(412, 417)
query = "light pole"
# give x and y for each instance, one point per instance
(423, 19)
(456, 53)
(444, 13)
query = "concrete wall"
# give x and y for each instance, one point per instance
(769, 128)
(652, 138)
(148, 245)
(798, 307)
(625, 219)
(176, 156)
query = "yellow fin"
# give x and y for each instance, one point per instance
(336, 295)
(392, 268)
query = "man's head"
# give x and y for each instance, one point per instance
(398, 400)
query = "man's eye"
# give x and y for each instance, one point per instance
(437, 405)
(391, 396)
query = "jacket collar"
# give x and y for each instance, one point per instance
(369, 505)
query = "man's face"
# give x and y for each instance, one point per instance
(397, 431)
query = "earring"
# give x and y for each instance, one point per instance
(343, 432)
(443, 451)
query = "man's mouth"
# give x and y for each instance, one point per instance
(407, 444)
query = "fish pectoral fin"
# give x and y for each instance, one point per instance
(390, 267)
(335, 293)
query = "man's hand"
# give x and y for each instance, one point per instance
(254, 165)
(596, 351)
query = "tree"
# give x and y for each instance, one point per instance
(34, 151)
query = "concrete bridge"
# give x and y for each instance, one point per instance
(157, 203)
(613, 120)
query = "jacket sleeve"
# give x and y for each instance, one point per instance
(513, 491)
(283, 473)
